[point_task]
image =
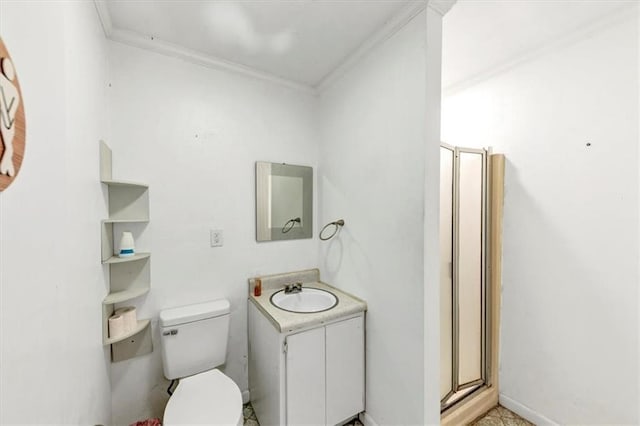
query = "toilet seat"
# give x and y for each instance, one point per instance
(208, 398)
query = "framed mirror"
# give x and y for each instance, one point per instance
(284, 201)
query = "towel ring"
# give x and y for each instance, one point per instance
(337, 224)
(290, 224)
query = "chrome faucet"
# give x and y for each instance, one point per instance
(293, 288)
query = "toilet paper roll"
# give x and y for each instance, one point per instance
(116, 326)
(129, 316)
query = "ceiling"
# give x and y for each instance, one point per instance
(301, 41)
(481, 36)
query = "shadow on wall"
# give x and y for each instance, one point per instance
(334, 254)
(131, 409)
(356, 267)
(562, 317)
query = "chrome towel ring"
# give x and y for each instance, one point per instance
(337, 225)
(290, 224)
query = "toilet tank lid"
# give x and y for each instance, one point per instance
(191, 313)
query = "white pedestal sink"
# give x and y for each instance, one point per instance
(306, 301)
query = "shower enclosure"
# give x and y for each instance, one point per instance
(464, 289)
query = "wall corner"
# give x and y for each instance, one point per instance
(442, 7)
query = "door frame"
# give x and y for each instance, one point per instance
(486, 397)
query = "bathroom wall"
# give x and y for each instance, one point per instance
(194, 134)
(54, 367)
(638, 203)
(569, 332)
(372, 174)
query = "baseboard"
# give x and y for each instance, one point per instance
(366, 419)
(470, 409)
(526, 412)
(246, 396)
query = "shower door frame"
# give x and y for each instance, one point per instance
(485, 398)
(485, 326)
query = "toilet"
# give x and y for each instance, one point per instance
(194, 344)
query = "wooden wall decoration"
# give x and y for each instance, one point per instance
(12, 121)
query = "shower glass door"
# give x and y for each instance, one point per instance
(463, 289)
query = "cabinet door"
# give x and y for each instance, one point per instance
(345, 369)
(305, 378)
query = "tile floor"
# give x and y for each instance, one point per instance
(498, 416)
(250, 418)
(354, 422)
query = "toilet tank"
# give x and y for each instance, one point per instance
(194, 338)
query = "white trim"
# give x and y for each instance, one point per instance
(619, 15)
(105, 17)
(366, 419)
(526, 412)
(432, 95)
(638, 159)
(441, 6)
(173, 50)
(246, 396)
(396, 23)
(637, 17)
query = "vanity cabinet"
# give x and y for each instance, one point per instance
(325, 373)
(305, 377)
(345, 369)
(312, 376)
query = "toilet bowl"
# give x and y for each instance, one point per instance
(208, 398)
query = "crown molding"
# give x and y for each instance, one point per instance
(619, 15)
(441, 6)
(105, 17)
(387, 31)
(391, 27)
(162, 47)
(165, 48)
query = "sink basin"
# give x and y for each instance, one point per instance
(307, 301)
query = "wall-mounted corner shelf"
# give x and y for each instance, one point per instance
(124, 183)
(132, 220)
(129, 277)
(142, 324)
(124, 295)
(115, 259)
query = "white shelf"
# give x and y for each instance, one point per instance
(142, 324)
(121, 296)
(135, 257)
(125, 183)
(129, 277)
(139, 220)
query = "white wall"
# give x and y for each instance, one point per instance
(54, 367)
(569, 331)
(431, 212)
(371, 174)
(638, 201)
(194, 134)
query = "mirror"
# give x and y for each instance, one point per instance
(284, 201)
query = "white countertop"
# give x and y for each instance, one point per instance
(285, 321)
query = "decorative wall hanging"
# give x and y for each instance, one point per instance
(12, 122)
